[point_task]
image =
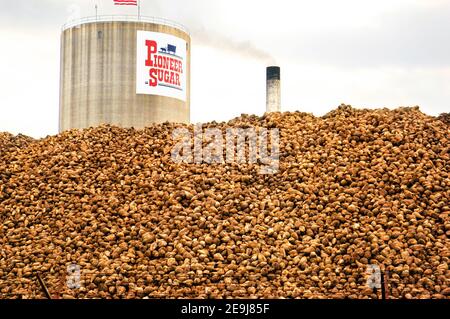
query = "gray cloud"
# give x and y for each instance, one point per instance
(406, 38)
(410, 37)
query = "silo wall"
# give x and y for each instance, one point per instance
(102, 75)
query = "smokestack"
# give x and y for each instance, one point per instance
(273, 89)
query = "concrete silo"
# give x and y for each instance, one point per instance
(125, 71)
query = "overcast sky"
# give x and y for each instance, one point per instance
(384, 53)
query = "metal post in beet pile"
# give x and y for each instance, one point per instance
(43, 286)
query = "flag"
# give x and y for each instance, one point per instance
(125, 2)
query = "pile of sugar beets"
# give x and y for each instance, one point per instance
(354, 188)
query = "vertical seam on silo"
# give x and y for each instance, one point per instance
(111, 73)
(74, 78)
(102, 98)
(88, 61)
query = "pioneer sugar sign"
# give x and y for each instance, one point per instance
(161, 65)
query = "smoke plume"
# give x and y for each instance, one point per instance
(243, 48)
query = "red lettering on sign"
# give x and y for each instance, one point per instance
(152, 47)
(163, 69)
(153, 80)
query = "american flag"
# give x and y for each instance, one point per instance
(125, 2)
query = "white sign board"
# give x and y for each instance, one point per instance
(161, 65)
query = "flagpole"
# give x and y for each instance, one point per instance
(96, 15)
(139, 10)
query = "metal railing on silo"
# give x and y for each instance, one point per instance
(124, 18)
